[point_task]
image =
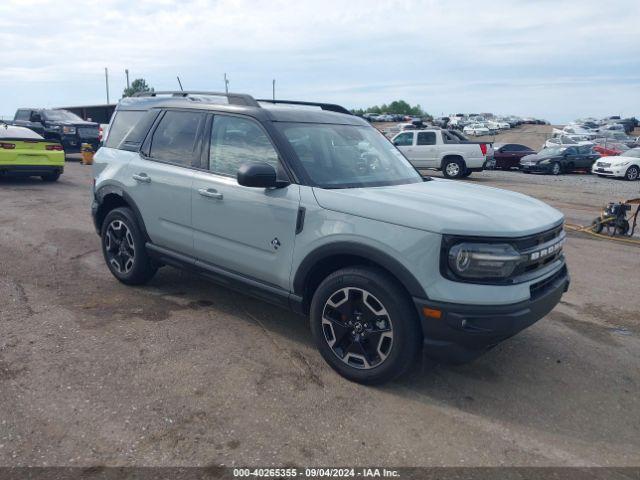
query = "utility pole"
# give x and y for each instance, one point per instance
(126, 72)
(226, 84)
(273, 88)
(106, 81)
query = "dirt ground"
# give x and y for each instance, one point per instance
(183, 372)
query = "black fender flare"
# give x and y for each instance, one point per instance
(384, 260)
(102, 192)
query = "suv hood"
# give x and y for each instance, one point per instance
(445, 207)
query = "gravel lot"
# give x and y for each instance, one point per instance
(183, 372)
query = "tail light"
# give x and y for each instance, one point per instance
(57, 148)
(483, 147)
(7, 146)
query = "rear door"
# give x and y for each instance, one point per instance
(426, 152)
(160, 178)
(249, 231)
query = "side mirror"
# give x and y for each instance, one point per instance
(259, 175)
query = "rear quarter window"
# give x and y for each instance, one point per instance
(128, 128)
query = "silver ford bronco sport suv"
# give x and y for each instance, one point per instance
(309, 207)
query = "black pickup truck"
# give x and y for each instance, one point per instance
(60, 125)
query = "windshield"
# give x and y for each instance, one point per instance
(347, 156)
(634, 152)
(61, 116)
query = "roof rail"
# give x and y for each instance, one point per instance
(232, 98)
(332, 107)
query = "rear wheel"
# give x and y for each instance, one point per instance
(632, 173)
(123, 247)
(453, 168)
(51, 177)
(622, 227)
(365, 325)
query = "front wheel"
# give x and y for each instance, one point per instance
(555, 168)
(632, 173)
(123, 247)
(365, 325)
(453, 168)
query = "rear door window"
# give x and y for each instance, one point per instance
(129, 127)
(175, 140)
(426, 138)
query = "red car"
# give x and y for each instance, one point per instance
(610, 149)
(508, 155)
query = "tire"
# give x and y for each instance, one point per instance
(453, 168)
(556, 169)
(131, 263)
(596, 225)
(622, 228)
(355, 347)
(51, 177)
(632, 173)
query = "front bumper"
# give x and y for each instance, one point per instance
(464, 332)
(610, 171)
(535, 168)
(73, 143)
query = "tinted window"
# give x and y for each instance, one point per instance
(235, 141)
(584, 149)
(22, 115)
(129, 126)
(404, 139)
(426, 138)
(175, 138)
(571, 151)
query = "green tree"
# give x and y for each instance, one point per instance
(399, 107)
(138, 85)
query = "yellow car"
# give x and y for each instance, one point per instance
(25, 153)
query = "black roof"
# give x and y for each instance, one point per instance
(266, 110)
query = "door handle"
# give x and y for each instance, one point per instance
(141, 177)
(210, 193)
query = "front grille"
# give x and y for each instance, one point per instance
(88, 132)
(541, 249)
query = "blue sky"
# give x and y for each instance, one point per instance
(557, 60)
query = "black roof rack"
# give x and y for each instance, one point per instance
(232, 98)
(246, 100)
(331, 107)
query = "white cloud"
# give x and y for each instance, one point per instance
(316, 46)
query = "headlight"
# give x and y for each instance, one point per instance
(622, 164)
(69, 130)
(483, 260)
